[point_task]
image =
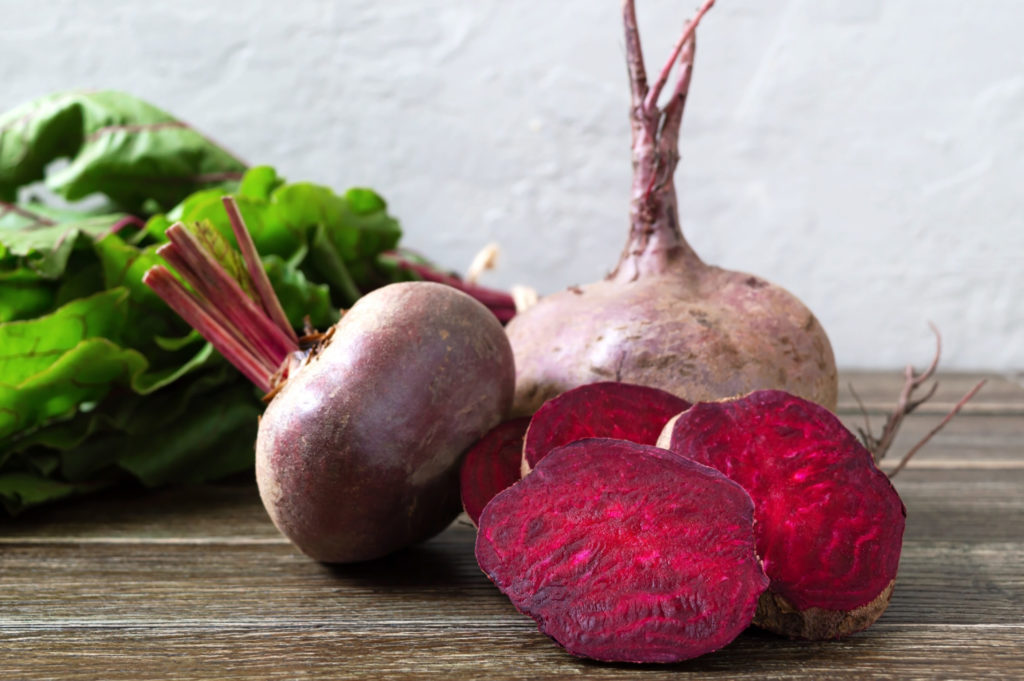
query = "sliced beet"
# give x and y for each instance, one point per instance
(625, 552)
(491, 465)
(829, 523)
(622, 411)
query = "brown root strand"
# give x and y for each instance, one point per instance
(906, 404)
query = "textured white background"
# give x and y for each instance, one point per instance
(867, 155)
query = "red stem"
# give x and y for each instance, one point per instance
(651, 100)
(214, 283)
(655, 240)
(264, 291)
(194, 311)
(489, 297)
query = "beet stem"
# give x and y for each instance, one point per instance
(193, 310)
(655, 239)
(264, 291)
(634, 57)
(651, 100)
(172, 255)
(491, 298)
(213, 282)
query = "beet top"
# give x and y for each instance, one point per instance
(622, 411)
(625, 552)
(829, 523)
(491, 465)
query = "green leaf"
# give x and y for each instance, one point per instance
(300, 297)
(217, 440)
(20, 490)
(45, 246)
(118, 145)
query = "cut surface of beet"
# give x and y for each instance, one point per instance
(829, 522)
(625, 552)
(491, 465)
(622, 411)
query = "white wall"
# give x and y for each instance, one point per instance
(867, 155)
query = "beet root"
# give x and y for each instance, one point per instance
(625, 552)
(663, 317)
(829, 523)
(357, 455)
(621, 411)
(491, 465)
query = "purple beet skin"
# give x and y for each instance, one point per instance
(663, 317)
(358, 455)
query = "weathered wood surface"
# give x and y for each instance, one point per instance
(197, 584)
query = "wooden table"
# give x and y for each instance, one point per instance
(197, 584)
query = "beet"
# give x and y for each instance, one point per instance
(622, 411)
(357, 456)
(358, 452)
(663, 317)
(491, 465)
(829, 523)
(625, 552)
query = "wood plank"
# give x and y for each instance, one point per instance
(209, 587)
(472, 652)
(195, 583)
(1002, 394)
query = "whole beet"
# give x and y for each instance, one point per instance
(357, 456)
(663, 317)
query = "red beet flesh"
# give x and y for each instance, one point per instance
(829, 523)
(625, 552)
(491, 465)
(622, 411)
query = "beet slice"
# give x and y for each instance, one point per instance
(622, 411)
(829, 523)
(491, 465)
(625, 552)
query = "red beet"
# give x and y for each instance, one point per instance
(358, 455)
(663, 317)
(491, 465)
(829, 523)
(358, 452)
(625, 552)
(622, 411)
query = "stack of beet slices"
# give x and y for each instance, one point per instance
(635, 527)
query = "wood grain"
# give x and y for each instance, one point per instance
(195, 583)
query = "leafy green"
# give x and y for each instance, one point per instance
(329, 237)
(117, 145)
(100, 382)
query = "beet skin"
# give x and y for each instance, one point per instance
(621, 411)
(357, 456)
(491, 465)
(829, 523)
(625, 552)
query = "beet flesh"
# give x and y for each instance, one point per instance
(357, 456)
(829, 523)
(625, 552)
(491, 465)
(620, 411)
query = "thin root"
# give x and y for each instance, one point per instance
(905, 404)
